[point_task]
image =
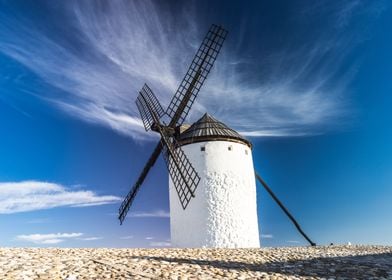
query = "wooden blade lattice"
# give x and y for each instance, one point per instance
(182, 173)
(197, 73)
(149, 107)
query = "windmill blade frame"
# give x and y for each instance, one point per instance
(182, 173)
(184, 176)
(149, 107)
(198, 71)
(126, 204)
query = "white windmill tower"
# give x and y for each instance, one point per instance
(212, 181)
(223, 212)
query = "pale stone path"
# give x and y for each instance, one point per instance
(324, 262)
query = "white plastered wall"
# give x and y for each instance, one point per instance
(223, 213)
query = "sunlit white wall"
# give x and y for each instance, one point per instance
(223, 212)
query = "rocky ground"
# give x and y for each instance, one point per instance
(324, 262)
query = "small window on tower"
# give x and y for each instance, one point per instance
(246, 152)
(202, 149)
(230, 148)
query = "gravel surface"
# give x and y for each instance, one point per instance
(321, 262)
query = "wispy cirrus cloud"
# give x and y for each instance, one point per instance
(150, 214)
(51, 238)
(34, 195)
(116, 46)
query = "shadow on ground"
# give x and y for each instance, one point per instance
(373, 266)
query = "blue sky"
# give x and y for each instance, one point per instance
(308, 83)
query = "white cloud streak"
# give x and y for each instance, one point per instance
(34, 195)
(92, 238)
(118, 46)
(293, 241)
(160, 244)
(267, 236)
(51, 238)
(152, 214)
(127, 237)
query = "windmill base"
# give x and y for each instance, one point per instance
(223, 213)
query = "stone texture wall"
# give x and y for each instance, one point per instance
(223, 212)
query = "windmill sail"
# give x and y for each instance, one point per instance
(197, 73)
(126, 204)
(184, 176)
(182, 173)
(149, 107)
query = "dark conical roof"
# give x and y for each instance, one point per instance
(208, 128)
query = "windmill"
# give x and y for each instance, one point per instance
(180, 169)
(223, 213)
